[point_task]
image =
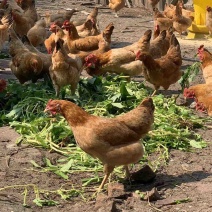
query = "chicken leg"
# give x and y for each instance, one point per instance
(107, 170)
(155, 91)
(127, 172)
(128, 3)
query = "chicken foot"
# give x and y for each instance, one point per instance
(116, 15)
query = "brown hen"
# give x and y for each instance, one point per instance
(120, 60)
(163, 71)
(90, 43)
(206, 63)
(64, 69)
(209, 19)
(114, 141)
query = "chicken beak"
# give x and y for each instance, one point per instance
(193, 105)
(46, 109)
(93, 65)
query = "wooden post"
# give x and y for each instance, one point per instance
(103, 2)
(138, 3)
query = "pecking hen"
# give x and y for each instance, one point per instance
(120, 60)
(25, 65)
(202, 94)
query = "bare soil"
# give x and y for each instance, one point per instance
(186, 179)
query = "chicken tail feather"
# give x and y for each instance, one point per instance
(58, 44)
(26, 40)
(174, 41)
(163, 34)
(148, 35)
(94, 12)
(148, 102)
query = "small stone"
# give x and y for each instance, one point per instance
(104, 203)
(116, 190)
(152, 195)
(144, 175)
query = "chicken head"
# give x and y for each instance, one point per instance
(188, 93)
(53, 107)
(140, 55)
(209, 9)
(66, 25)
(200, 52)
(90, 61)
(53, 27)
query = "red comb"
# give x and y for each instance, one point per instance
(188, 93)
(185, 91)
(138, 54)
(66, 23)
(53, 24)
(89, 57)
(201, 47)
(49, 101)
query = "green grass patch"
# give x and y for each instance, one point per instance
(22, 108)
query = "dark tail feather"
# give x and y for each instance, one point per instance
(25, 40)
(59, 44)
(108, 32)
(148, 35)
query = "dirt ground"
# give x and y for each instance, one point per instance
(186, 179)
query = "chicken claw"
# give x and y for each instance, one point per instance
(116, 15)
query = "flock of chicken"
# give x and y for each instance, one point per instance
(72, 47)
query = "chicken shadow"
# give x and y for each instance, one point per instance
(167, 181)
(129, 16)
(120, 45)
